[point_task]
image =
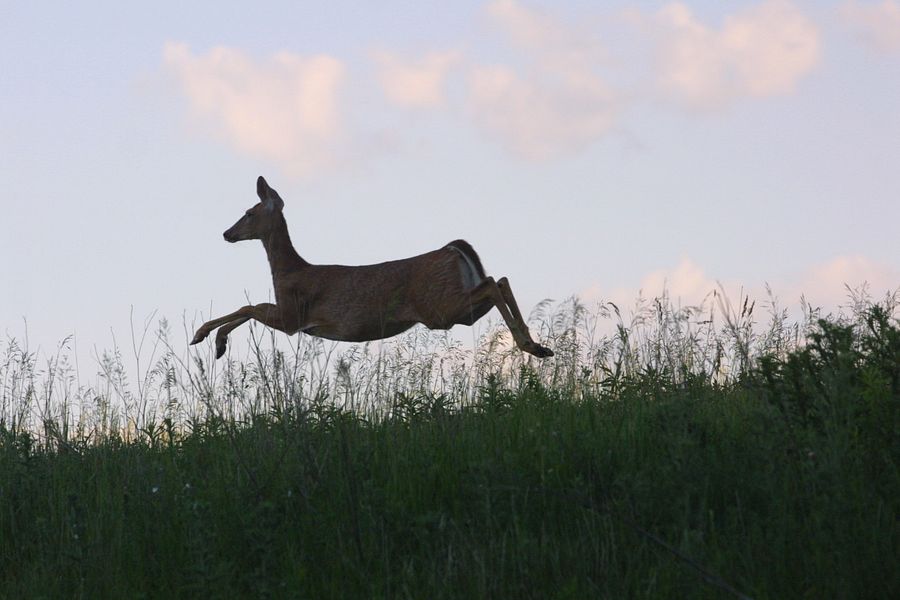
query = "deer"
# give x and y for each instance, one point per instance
(439, 289)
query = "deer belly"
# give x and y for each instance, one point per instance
(293, 330)
(344, 332)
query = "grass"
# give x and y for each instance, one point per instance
(686, 454)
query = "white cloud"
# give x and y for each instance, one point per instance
(878, 24)
(535, 119)
(826, 284)
(685, 284)
(761, 51)
(283, 109)
(561, 104)
(415, 83)
(555, 44)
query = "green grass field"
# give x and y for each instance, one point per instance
(675, 459)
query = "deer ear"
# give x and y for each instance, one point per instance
(262, 188)
(268, 196)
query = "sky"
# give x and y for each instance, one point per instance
(592, 149)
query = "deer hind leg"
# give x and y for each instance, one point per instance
(490, 293)
(266, 313)
(506, 291)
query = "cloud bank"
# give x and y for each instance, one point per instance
(559, 105)
(554, 97)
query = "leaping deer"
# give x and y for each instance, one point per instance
(439, 289)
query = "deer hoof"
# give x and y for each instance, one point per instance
(543, 352)
(220, 346)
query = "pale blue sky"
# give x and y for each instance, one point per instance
(581, 150)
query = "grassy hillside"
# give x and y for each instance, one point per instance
(649, 465)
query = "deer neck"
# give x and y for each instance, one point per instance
(280, 251)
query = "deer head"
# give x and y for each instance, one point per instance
(260, 220)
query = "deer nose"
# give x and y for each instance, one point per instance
(229, 237)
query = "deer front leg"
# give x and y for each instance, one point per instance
(266, 313)
(222, 334)
(207, 327)
(501, 296)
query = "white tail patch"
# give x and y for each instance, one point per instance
(467, 269)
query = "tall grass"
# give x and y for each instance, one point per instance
(664, 451)
(158, 379)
